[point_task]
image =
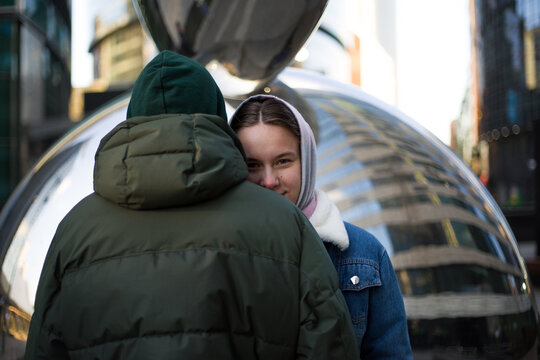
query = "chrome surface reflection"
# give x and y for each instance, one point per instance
(464, 283)
(465, 287)
(29, 219)
(244, 43)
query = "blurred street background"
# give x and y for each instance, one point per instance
(467, 70)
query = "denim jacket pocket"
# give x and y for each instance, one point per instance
(356, 278)
(359, 274)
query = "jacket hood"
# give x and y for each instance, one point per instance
(175, 148)
(174, 84)
(168, 160)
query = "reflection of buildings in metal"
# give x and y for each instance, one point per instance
(57, 183)
(248, 42)
(28, 221)
(459, 269)
(456, 260)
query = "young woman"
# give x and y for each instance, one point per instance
(281, 156)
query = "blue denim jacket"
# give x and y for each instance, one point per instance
(369, 284)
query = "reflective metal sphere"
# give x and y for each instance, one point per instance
(244, 43)
(464, 283)
(465, 286)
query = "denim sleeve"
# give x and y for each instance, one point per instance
(387, 334)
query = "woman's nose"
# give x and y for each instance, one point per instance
(270, 180)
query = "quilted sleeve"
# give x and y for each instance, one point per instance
(43, 341)
(326, 330)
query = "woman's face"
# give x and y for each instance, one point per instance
(273, 159)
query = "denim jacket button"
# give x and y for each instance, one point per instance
(355, 280)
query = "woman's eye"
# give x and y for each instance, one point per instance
(283, 161)
(252, 165)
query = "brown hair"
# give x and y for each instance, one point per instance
(266, 111)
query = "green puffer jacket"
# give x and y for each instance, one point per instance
(175, 255)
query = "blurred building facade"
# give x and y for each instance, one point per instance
(499, 129)
(120, 48)
(117, 46)
(361, 36)
(35, 55)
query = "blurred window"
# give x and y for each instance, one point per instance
(460, 278)
(7, 181)
(33, 92)
(53, 25)
(57, 85)
(37, 10)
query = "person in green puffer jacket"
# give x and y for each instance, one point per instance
(176, 255)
